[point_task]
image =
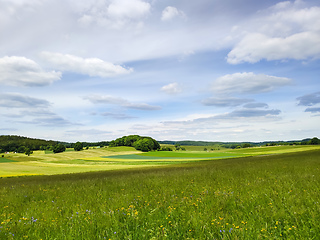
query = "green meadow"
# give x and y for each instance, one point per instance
(100, 159)
(255, 193)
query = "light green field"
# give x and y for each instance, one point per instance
(271, 196)
(44, 163)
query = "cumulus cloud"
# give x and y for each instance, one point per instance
(248, 83)
(256, 46)
(98, 99)
(285, 31)
(21, 71)
(131, 9)
(87, 66)
(172, 88)
(114, 14)
(225, 102)
(171, 12)
(17, 100)
(309, 99)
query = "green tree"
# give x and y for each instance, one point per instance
(59, 148)
(166, 149)
(21, 149)
(144, 144)
(130, 140)
(314, 141)
(78, 146)
(140, 143)
(28, 151)
(246, 145)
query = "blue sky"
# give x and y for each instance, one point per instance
(206, 70)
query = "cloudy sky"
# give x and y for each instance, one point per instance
(212, 70)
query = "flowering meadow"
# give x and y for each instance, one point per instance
(258, 197)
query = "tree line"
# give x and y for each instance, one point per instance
(233, 145)
(20, 144)
(11, 143)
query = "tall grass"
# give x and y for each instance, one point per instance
(271, 197)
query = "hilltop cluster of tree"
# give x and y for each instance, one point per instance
(144, 144)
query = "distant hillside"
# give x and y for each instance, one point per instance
(241, 144)
(11, 143)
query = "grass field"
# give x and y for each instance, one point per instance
(257, 197)
(46, 163)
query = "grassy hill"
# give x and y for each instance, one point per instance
(273, 196)
(70, 161)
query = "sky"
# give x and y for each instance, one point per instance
(209, 70)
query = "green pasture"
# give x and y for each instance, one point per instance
(274, 195)
(5, 160)
(48, 163)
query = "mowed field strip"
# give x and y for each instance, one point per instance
(44, 163)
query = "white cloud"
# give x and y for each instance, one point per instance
(172, 88)
(21, 71)
(284, 31)
(114, 14)
(171, 12)
(11, 9)
(130, 9)
(248, 83)
(98, 99)
(256, 46)
(87, 66)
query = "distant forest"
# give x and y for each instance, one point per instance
(11, 143)
(307, 141)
